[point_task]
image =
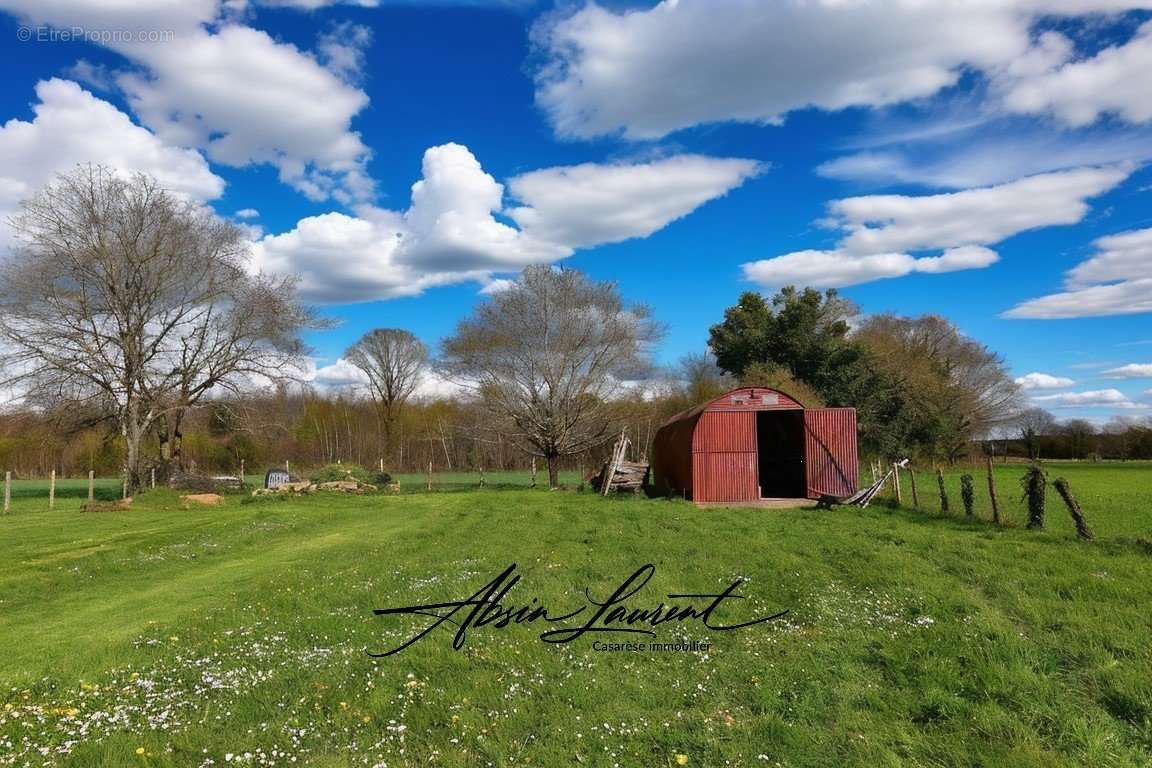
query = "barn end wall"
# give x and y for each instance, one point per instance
(710, 453)
(710, 450)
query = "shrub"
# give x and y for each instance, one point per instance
(967, 494)
(331, 472)
(943, 491)
(1034, 483)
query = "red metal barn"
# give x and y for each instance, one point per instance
(755, 443)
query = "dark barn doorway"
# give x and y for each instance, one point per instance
(780, 451)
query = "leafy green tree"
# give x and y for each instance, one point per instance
(804, 332)
(952, 388)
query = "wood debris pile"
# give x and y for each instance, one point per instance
(621, 475)
(629, 476)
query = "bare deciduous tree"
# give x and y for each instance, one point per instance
(122, 296)
(393, 360)
(1033, 424)
(548, 355)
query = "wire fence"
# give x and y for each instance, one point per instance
(58, 492)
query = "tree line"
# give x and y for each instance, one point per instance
(139, 340)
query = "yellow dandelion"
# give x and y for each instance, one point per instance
(681, 759)
(139, 750)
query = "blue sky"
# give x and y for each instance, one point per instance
(985, 161)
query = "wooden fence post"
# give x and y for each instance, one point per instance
(533, 471)
(429, 474)
(91, 485)
(242, 475)
(52, 490)
(481, 476)
(153, 480)
(1074, 509)
(915, 495)
(896, 482)
(992, 493)
(7, 492)
(124, 483)
(286, 470)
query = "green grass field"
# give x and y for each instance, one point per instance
(237, 635)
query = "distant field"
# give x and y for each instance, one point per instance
(169, 637)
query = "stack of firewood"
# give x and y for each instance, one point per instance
(629, 476)
(618, 474)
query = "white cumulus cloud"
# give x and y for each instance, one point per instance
(453, 231)
(883, 232)
(246, 99)
(1078, 92)
(648, 72)
(592, 203)
(1037, 380)
(1116, 280)
(231, 90)
(71, 126)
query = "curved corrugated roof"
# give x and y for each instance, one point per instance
(696, 410)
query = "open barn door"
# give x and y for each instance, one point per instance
(831, 464)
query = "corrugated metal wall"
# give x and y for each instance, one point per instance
(725, 431)
(725, 476)
(671, 473)
(709, 453)
(830, 451)
(724, 456)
